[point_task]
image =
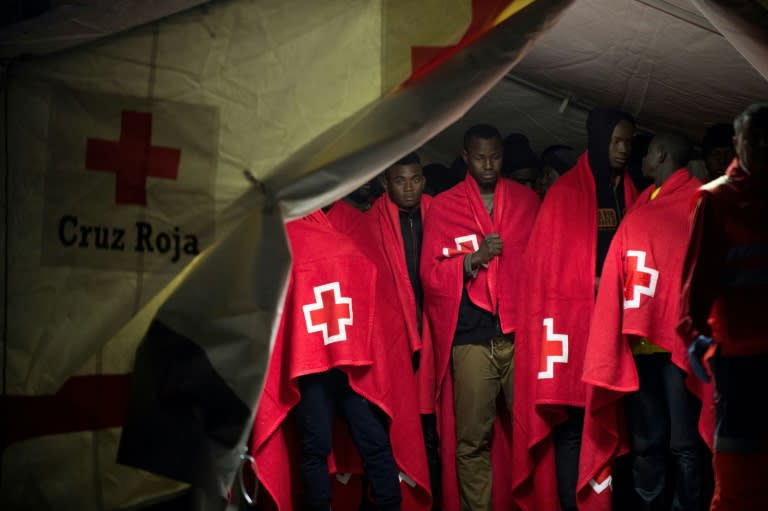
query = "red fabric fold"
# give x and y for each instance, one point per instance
(556, 301)
(344, 217)
(382, 228)
(381, 235)
(456, 224)
(729, 214)
(373, 354)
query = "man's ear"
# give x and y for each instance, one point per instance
(465, 156)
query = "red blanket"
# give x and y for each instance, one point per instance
(639, 296)
(380, 232)
(456, 224)
(344, 217)
(333, 319)
(556, 303)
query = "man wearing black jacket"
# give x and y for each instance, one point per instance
(393, 228)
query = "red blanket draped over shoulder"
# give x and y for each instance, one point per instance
(556, 301)
(456, 224)
(344, 217)
(639, 296)
(332, 319)
(380, 235)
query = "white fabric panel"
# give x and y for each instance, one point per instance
(625, 54)
(514, 107)
(640, 56)
(60, 314)
(72, 23)
(749, 39)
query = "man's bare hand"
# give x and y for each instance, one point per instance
(490, 247)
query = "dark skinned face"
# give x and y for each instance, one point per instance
(483, 157)
(405, 185)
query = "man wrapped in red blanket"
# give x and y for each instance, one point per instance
(563, 261)
(634, 361)
(474, 237)
(339, 352)
(391, 234)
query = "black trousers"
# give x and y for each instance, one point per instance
(431, 442)
(739, 395)
(662, 420)
(429, 428)
(567, 448)
(322, 396)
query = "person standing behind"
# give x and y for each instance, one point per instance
(717, 149)
(562, 266)
(393, 227)
(520, 162)
(555, 161)
(634, 360)
(343, 216)
(346, 213)
(474, 236)
(725, 285)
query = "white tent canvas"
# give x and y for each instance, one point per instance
(661, 61)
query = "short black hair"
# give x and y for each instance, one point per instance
(717, 135)
(483, 131)
(756, 114)
(409, 159)
(518, 154)
(560, 157)
(677, 146)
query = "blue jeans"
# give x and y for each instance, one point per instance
(663, 423)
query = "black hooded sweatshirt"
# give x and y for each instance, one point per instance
(610, 199)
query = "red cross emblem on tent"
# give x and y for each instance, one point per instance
(464, 245)
(331, 313)
(133, 158)
(554, 349)
(640, 279)
(602, 481)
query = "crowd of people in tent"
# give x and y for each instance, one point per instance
(570, 330)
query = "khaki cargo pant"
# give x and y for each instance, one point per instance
(480, 372)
